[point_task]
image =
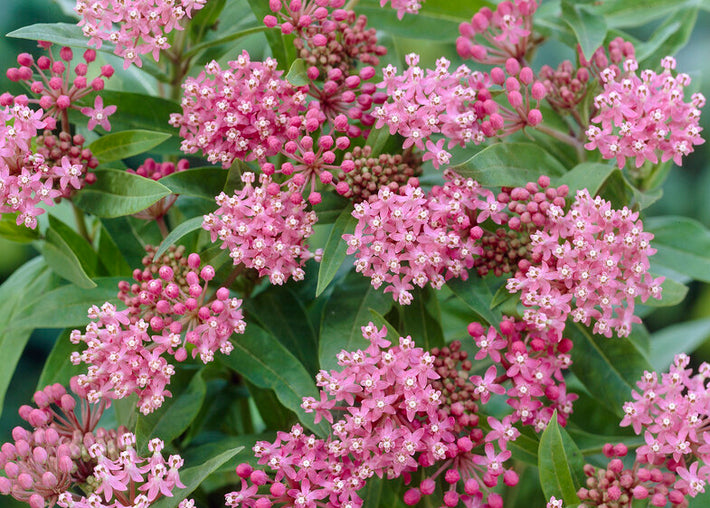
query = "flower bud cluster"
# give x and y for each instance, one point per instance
(422, 104)
(126, 349)
(244, 112)
(533, 362)
(504, 248)
(383, 415)
(64, 449)
(642, 116)
(311, 162)
(494, 36)
(142, 25)
(59, 86)
(264, 228)
(411, 238)
(369, 174)
(565, 86)
(590, 263)
(617, 486)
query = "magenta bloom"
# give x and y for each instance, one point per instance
(98, 115)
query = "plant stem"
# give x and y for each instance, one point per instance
(351, 5)
(565, 138)
(162, 226)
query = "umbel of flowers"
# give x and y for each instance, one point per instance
(165, 315)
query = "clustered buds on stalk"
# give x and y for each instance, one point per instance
(65, 449)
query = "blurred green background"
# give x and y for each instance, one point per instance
(685, 192)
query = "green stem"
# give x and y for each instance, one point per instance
(81, 223)
(351, 5)
(565, 138)
(162, 226)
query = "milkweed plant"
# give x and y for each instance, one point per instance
(374, 253)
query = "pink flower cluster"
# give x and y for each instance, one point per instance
(410, 238)
(494, 36)
(643, 116)
(143, 24)
(308, 19)
(391, 424)
(264, 228)
(128, 479)
(27, 179)
(459, 106)
(533, 362)
(60, 87)
(672, 411)
(404, 6)
(167, 314)
(383, 415)
(592, 263)
(245, 112)
(422, 104)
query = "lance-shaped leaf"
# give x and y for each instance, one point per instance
(335, 249)
(116, 193)
(121, 145)
(560, 463)
(682, 246)
(264, 361)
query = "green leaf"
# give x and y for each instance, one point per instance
(11, 231)
(560, 463)
(587, 175)
(58, 368)
(30, 279)
(681, 338)
(381, 141)
(682, 244)
(193, 476)
(283, 315)
(422, 319)
(345, 313)
(297, 75)
(198, 182)
(590, 444)
(335, 250)
(477, 296)
(176, 234)
(175, 415)
(126, 237)
(624, 14)
(275, 416)
(204, 19)
(608, 368)
(110, 255)
(64, 34)
(588, 27)
(379, 321)
(117, 193)
(121, 145)
(78, 244)
(667, 39)
(63, 261)
(510, 164)
(65, 306)
(434, 22)
(264, 361)
(132, 112)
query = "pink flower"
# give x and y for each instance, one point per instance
(98, 115)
